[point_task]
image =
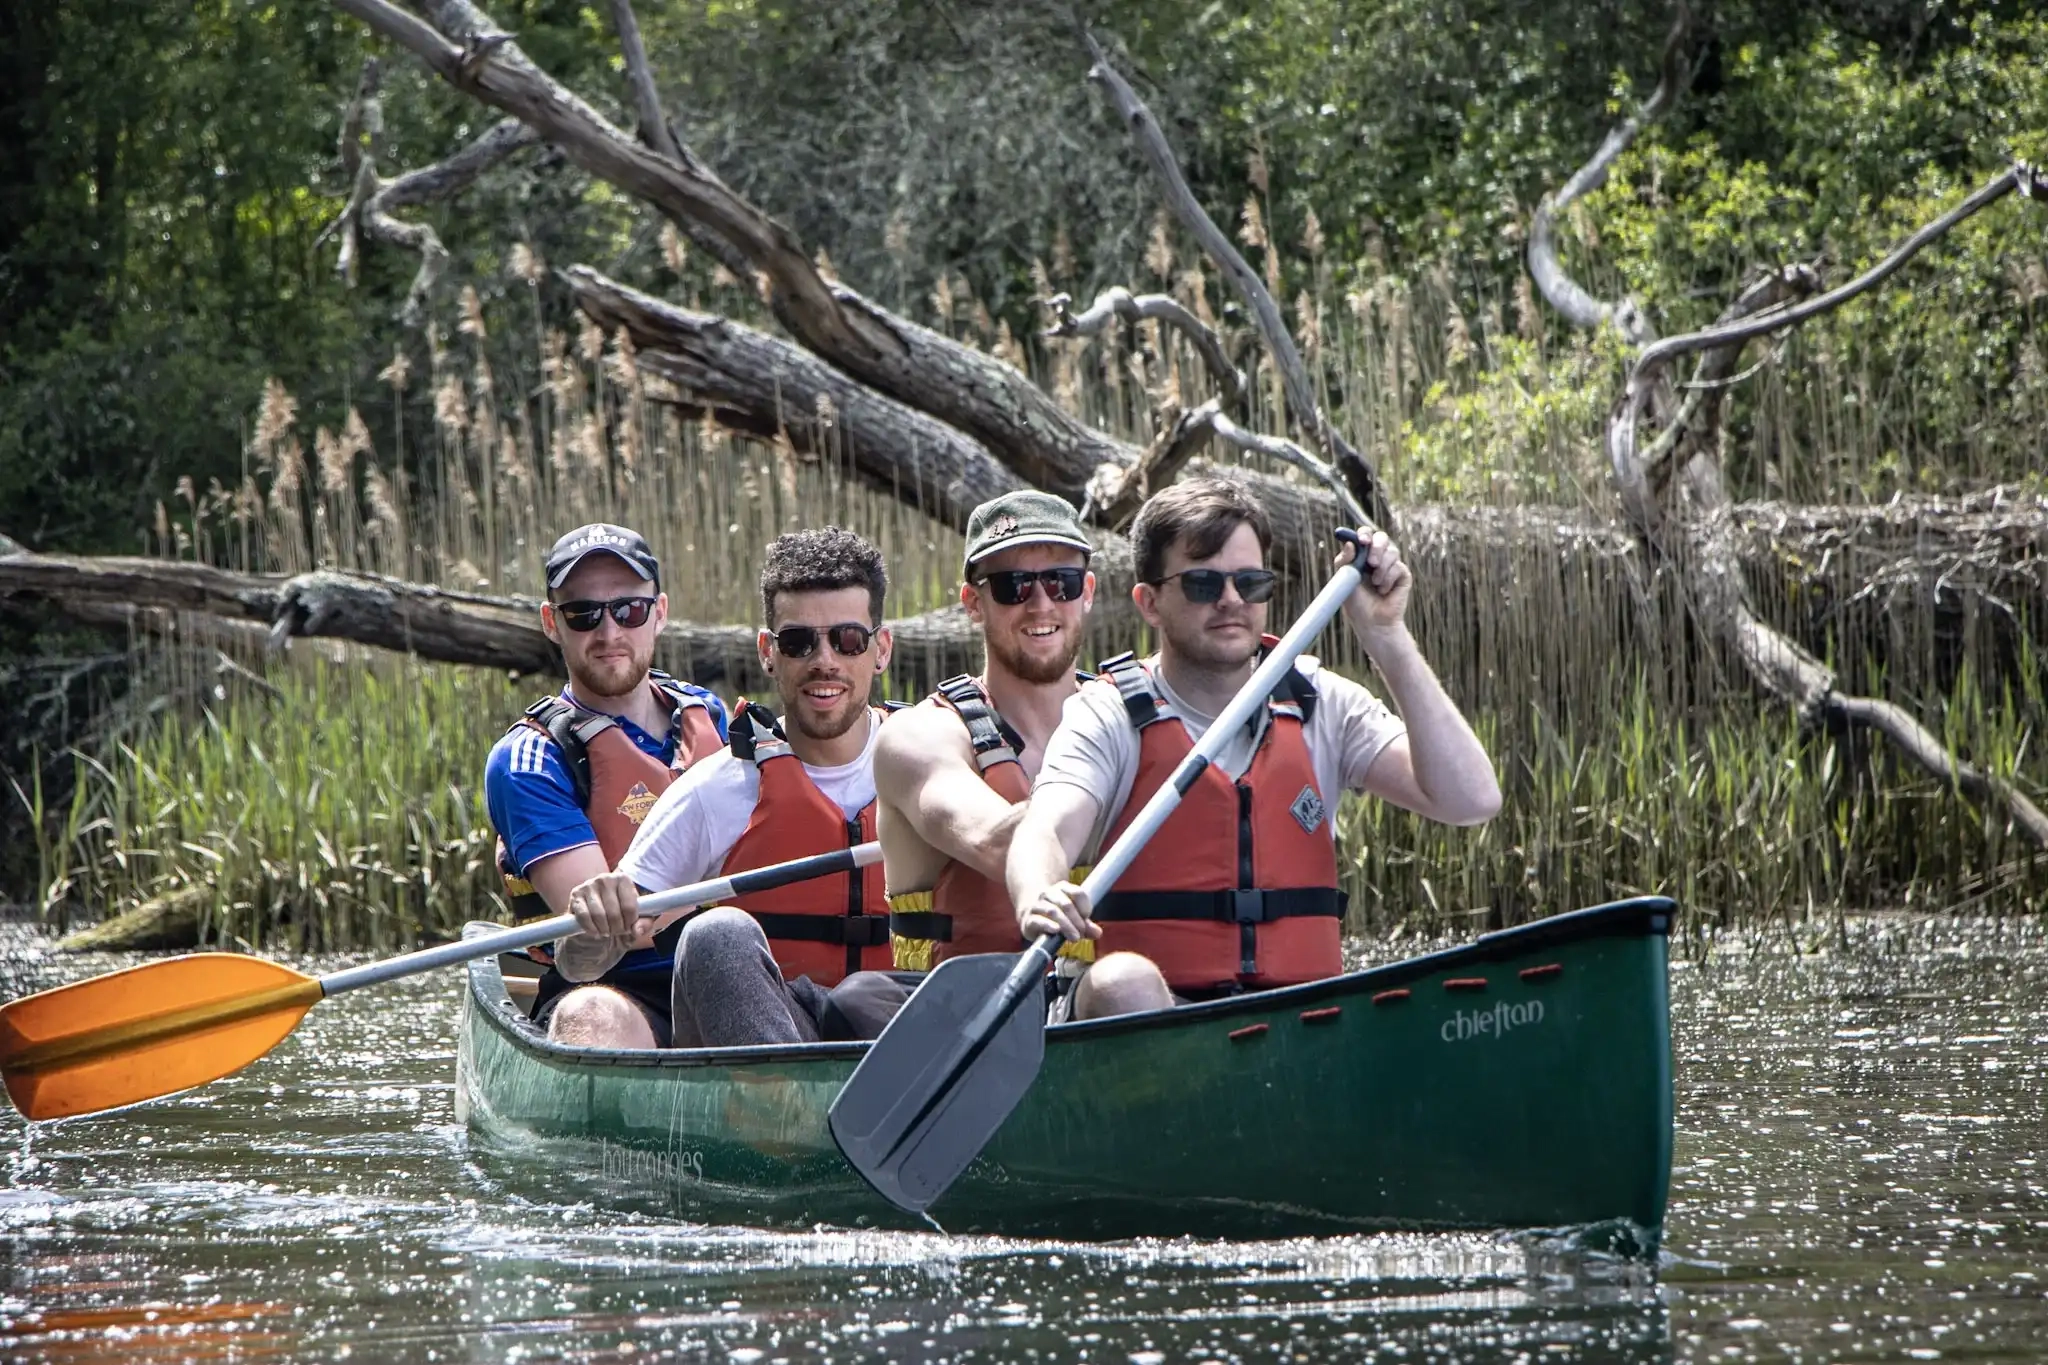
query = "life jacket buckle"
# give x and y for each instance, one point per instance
(1248, 907)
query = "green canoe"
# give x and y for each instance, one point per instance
(1520, 1081)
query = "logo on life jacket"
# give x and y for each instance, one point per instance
(638, 802)
(1308, 810)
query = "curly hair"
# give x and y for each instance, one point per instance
(1199, 515)
(822, 560)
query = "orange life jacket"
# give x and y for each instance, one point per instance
(829, 927)
(965, 912)
(616, 781)
(1238, 889)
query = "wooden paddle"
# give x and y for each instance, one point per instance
(147, 1031)
(964, 1049)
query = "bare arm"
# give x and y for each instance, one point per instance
(585, 956)
(1439, 768)
(925, 772)
(1057, 822)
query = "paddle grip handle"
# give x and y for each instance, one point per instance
(561, 926)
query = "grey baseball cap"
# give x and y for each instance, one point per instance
(1026, 517)
(602, 538)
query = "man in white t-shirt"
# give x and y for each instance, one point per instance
(1238, 890)
(759, 971)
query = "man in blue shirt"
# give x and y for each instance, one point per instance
(567, 786)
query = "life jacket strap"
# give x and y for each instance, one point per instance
(1294, 696)
(1227, 906)
(755, 735)
(852, 931)
(993, 740)
(1142, 701)
(573, 728)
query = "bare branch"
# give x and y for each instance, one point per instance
(654, 129)
(1120, 302)
(368, 212)
(1358, 472)
(456, 173)
(1278, 448)
(1934, 758)
(1117, 492)
(2022, 177)
(472, 54)
(657, 133)
(1563, 293)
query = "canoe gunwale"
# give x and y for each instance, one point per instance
(1642, 915)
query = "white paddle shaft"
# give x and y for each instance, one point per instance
(561, 926)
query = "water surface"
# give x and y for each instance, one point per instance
(1856, 1179)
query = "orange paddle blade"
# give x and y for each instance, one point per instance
(136, 1034)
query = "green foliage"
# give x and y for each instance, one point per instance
(1743, 819)
(175, 167)
(345, 809)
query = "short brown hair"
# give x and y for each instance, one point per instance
(823, 560)
(1199, 515)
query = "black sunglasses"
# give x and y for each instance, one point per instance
(1013, 587)
(1204, 586)
(801, 642)
(629, 612)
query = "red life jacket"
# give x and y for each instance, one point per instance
(1238, 889)
(829, 927)
(965, 912)
(616, 781)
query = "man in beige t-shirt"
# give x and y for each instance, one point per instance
(1238, 889)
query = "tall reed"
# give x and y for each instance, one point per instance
(338, 802)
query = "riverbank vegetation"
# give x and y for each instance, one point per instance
(333, 796)
(1379, 170)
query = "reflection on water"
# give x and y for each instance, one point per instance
(1856, 1179)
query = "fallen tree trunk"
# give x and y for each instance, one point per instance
(1850, 568)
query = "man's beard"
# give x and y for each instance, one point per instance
(853, 706)
(1038, 670)
(610, 677)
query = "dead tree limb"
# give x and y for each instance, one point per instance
(1357, 471)
(657, 133)
(2029, 181)
(373, 199)
(977, 393)
(767, 387)
(654, 129)
(764, 386)
(1559, 290)
(420, 619)
(1673, 489)
(1120, 302)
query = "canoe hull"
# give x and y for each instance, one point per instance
(1521, 1081)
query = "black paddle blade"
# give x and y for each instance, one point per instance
(924, 1100)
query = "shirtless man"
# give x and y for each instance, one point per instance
(951, 773)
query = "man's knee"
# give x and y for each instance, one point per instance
(722, 933)
(1121, 983)
(598, 1016)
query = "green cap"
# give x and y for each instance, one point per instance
(1026, 517)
